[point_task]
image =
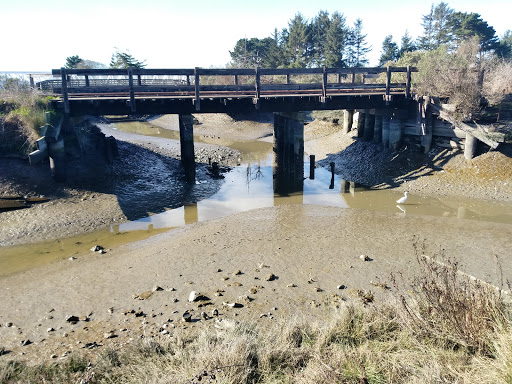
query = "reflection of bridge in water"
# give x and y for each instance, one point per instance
(286, 92)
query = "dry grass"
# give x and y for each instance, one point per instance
(444, 327)
(21, 115)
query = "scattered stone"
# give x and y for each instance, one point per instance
(157, 288)
(218, 294)
(144, 295)
(172, 289)
(263, 315)
(225, 323)
(139, 314)
(8, 325)
(365, 258)
(233, 305)
(91, 345)
(380, 285)
(164, 332)
(72, 258)
(342, 286)
(24, 343)
(261, 266)
(73, 319)
(271, 277)
(54, 356)
(225, 278)
(50, 330)
(111, 310)
(311, 281)
(219, 270)
(109, 335)
(194, 296)
(204, 315)
(314, 304)
(215, 312)
(49, 317)
(235, 284)
(97, 248)
(274, 308)
(175, 300)
(318, 289)
(292, 285)
(237, 272)
(186, 317)
(128, 311)
(245, 298)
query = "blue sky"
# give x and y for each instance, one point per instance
(178, 34)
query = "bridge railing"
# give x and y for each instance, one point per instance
(199, 82)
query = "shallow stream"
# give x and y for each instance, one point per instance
(246, 187)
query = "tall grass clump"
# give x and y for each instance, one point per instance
(21, 114)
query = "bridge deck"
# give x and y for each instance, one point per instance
(130, 91)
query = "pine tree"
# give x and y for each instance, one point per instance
(125, 60)
(406, 44)
(335, 39)
(319, 29)
(389, 50)
(72, 61)
(466, 25)
(357, 47)
(297, 44)
(426, 41)
(442, 33)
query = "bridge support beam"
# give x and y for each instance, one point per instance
(360, 123)
(348, 116)
(470, 146)
(385, 130)
(395, 133)
(289, 152)
(377, 128)
(187, 147)
(369, 124)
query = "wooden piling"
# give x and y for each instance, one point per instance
(348, 116)
(377, 128)
(360, 124)
(132, 93)
(385, 130)
(395, 133)
(65, 97)
(197, 100)
(332, 165)
(57, 156)
(186, 123)
(369, 124)
(312, 167)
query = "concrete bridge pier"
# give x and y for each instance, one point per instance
(360, 123)
(395, 132)
(289, 152)
(385, 130)
(377, 128)
(348, 117)
(369, 123)
(187, 147)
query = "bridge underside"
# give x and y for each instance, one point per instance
(153, 105)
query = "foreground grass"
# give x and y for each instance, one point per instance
(442, 327)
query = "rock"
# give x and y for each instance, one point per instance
(215, 312)
(186, 317)
(342, 286)
(233, 305)
(73, 319)
(261, 266)
(97, 248)
(72, 258)
(271, 277)
(204, 315)
(237, 272)
(225, 323)
(292, 285)
(318, 289)
(109, 335)
(111, 310)
(144, 295)
(8, 325)
(157, 288)
(175, 300)
(50, 330)
(139, 314)
(245, 298)
(54, 356)
(219, 270)
(24, 343)
(365, 258)
(196, 296)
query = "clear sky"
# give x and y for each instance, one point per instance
(38, 35)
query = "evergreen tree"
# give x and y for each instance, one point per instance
(406, 44)
(298, 42)
(442, 13)
(125, 60)
(504, 48)
(426, 42)
(319, 29)
(72, 61)
(466, 25)
(389, 50)
(357, 47)
(334, 43)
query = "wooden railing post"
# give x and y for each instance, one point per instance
(64, 90)
(197, 100)
(139, 80)
(132, 93)
(188, 80)
(287, 78)
(257, 84)
(86, 80)
(323, 99)
(408, 83)
(388, 84)
(236, 79)
(353, 80)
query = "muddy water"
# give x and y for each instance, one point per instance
(247, 187)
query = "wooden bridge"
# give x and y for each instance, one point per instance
(185, 91)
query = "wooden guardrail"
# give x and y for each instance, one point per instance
(258, 82)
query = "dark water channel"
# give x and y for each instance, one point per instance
(246, 187)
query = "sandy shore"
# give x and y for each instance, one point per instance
(309, 250)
